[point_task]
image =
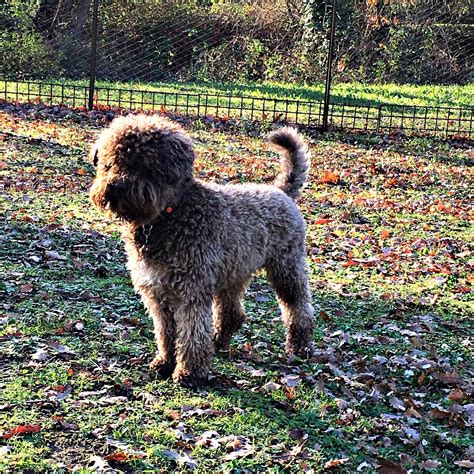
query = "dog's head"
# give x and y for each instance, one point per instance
(141, 162)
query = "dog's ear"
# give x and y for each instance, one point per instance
(177, 155)
(94, 156)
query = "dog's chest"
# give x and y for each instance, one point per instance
(144, 274)
(144, 271)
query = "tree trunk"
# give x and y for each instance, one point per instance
(80, 19)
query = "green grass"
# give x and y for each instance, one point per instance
(273, 101)
(350, 93)
(389, 254)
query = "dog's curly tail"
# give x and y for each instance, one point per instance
(295, 159)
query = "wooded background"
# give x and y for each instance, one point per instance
(405, 41)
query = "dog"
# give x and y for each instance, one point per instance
(192, 246)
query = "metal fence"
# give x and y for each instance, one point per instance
(175, 56)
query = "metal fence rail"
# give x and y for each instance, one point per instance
(378, 118)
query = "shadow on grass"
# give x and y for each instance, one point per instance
(300, 411)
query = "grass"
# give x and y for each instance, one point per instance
(349, 93)
(389, 254)
(354, 105)
(455, 95)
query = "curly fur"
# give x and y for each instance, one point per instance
(192, 247)
(295, 159)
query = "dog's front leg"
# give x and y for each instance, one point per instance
(165, 331)
(194, 344)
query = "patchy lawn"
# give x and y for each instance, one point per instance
(453, 95)
(389, 389)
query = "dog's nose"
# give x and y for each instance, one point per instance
(115, 190)
(117, 186)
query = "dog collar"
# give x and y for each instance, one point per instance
(168, 210)
(147, 228)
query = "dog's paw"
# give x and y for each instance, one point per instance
(305, 350)
(188, 380)
(162, 367)
(221, 343)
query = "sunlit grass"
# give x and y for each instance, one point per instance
(351, 93)
(416, 228)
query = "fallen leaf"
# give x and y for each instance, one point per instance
(21, 430)
(179, 458)
(60, 348)
(173, 414)
(429, 464)
(457, 395)
(40, 355)
(253, 372)
(469, 409)
(324, 316)
(53, 255)
(397, 403)
(335, 463)
(438, 413)
(271, 386)
(246, 450)
(341, 404)
(412, 413)
(322, 221)
(4, 450)
(64, 393)
(291, 380)
(100, 465)
(468, 464)
(330, 177)
(389, 467)
(118, 456)
(448, 378)
(298, 433)
(124, 452)
(148, 398)
(65, 424)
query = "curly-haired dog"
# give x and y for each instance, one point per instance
(192, 247)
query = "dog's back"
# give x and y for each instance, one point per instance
(255, 224)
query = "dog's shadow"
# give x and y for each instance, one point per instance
(80, 276)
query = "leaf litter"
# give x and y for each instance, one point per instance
(388, 386)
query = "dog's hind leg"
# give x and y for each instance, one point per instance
(165, 333)
(228, 314)
(290, 281)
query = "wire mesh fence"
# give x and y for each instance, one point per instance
(149, 51)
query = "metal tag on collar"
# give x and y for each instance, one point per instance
(146, 232)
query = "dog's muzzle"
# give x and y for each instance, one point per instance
(114, 191)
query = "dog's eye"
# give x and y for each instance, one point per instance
(107, 167)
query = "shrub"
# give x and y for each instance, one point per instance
(25, 54)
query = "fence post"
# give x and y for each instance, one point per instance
(379, 118)
(327, 90)
(95, 22)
